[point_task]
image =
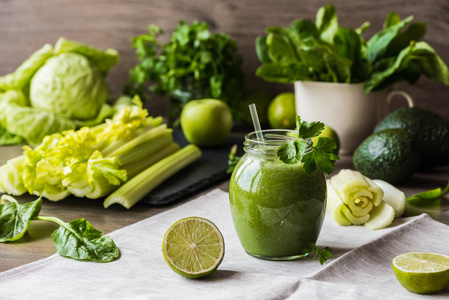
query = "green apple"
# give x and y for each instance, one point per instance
(206, 122)
(330, 133)
(282, 111)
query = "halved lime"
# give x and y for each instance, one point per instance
(422, 272)
(193, 247)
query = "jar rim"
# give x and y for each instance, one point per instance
(276, 134)
(272, 140)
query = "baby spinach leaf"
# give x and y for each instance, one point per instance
(280, 49)
(79, 240)
(262, 50)
(327, 23)
(349, 44)
(389, 67)
(377, 45)
(304, 29)
(15, 218)
(427, 197)
(431, 65)
(283, 73)
(414, 32)
(392, 19)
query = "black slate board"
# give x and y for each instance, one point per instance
(204, 172)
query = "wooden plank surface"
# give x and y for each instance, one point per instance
(25, 25)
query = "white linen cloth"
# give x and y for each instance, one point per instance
(360, 269)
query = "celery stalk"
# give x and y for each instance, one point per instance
(108, 150)
(152, 133)
(145, 149)
(136, 188)
(137, 167)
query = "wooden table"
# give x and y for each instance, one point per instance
(37, 243)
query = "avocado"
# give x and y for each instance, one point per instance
(430, 132)
(390, 155)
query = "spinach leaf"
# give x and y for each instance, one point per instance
(349, 44)
(414, 32)
(378, 44)
(280, 49)
(79, 240)
(389, 67)
(327, 23)
(15, 218)
(76, 239)
(283, 73)
(392, 19)
(262, 50)
(304, 29)
(427, 197)
(430, 63)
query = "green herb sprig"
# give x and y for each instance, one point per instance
(322, 254)
(77, 239)
(426, 197)
(193, 56)
(233, 159)
(302, 149)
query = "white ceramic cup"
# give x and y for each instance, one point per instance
(345, 107)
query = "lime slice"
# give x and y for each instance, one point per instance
(193, 247)
(422, 272)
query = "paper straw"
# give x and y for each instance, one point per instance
(255, 117)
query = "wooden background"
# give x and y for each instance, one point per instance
(25, 25)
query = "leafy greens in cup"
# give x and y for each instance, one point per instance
(55, 89)
(324, 51)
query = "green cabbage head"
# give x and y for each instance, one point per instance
(69, 85)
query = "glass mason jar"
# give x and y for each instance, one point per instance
(277, 208)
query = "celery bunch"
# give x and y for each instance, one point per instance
(93, 162)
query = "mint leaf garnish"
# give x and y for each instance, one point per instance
(302, 149)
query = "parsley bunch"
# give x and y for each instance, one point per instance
(302, 149)
(193, 57)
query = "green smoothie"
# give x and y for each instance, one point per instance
(277, 208)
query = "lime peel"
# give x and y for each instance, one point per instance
(193, 247)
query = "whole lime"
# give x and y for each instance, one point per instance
(206, 122)
(282, 111)
(258, 95)
(328, 132)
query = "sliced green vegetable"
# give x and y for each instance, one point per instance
(15, 218)
(381, 216)
(136, 188)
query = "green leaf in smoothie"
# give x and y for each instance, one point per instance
(302, 149)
